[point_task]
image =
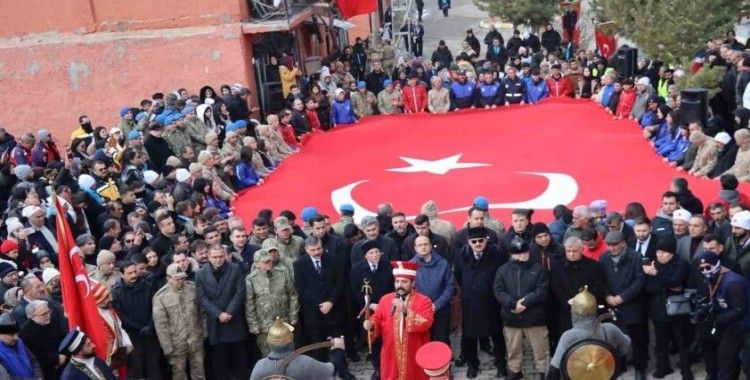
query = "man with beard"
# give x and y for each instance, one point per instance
(84, 131)
(403, 321)
(719, 224)
(739, 245)
(42, 338)
(84, 364)
(51, 279)
(400, 232)
(475, 265)
(543, 249)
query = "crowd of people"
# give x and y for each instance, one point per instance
(185, 286)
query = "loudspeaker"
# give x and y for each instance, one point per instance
(626, 61)
(694, 106)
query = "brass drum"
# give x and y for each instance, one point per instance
(589, 359)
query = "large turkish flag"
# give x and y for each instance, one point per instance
(351, 8)
(561, 151)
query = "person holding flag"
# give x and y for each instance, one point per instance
(403, 320)
(77, 292)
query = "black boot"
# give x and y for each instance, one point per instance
(472, 372)
(514, 375)
(502, 369)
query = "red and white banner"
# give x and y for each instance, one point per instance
(607, 44)
(351, 8)
(78, 299)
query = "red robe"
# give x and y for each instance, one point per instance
(398, 356)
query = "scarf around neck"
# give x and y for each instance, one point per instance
(16, 360)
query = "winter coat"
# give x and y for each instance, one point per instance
(462, 94)
(480, 309)
(536, 91)
(246, 175)
(517, 280)
(442, 58)
(387, 247)
(627, 282)
(669, 276)
(487, 94)
(415, 98)
(725, 159)
(381, 282)
(497, 55)
(178, 320)
(314, 289)
(625, 105)
(269, 295)
(568, 277)
(288, 78)
(435, 280)
(300, 123)
(133, 305)
(342, 113)
(559, 86)
(551, 40)
(158, 150)
(513, 90)
(227, 295)
(679, 150)
(439, 101)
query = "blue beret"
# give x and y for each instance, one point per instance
(481, 203)
(309, 213)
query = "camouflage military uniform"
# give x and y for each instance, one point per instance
(362, 104)
(289, 249)
(197, 130)
(126, 126)
(178, 322)
(494, 224)
(269, 295)
(339, 226)
(177, 138)
(386, 101)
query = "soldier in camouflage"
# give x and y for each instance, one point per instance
(289, 245)
(179, 324)
(270, 293)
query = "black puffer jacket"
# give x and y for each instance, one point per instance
(517, 280)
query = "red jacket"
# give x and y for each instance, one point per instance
(287, 131)
(415, 98)
(627, 100)
(312, 118)
(559, 87)
(595, 253)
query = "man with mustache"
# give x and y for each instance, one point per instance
(403, 320)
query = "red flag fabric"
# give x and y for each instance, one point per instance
(78, 300)
(351, 8)
(607, 44)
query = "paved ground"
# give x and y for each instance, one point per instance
(464, 15)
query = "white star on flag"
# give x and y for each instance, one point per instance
(441, 166)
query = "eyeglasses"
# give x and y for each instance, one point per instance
(476, 241)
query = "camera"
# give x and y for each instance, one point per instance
(703, 309)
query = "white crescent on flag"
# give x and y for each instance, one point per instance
(561, 189)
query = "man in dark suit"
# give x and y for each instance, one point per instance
(614, 221)
(319, 280)
(475, 266)
(220, 290)
(371, 228)
(376, 273)
(644, 240)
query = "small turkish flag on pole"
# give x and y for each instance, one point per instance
(607, 44)
(78, 301)
(351, 8)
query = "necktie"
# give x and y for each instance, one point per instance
(374, 268)
(317, 266)
(478, 256)
(638, 248)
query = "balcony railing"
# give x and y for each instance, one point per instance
(266, 10)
